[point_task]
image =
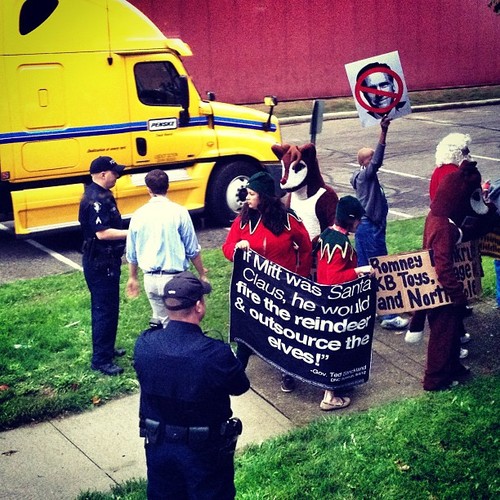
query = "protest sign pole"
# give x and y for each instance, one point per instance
(317, 119)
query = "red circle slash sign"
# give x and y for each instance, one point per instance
(396, 96)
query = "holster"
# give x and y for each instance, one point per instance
(149, 429)
(88, 247)
(230, 431)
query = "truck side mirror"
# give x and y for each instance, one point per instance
(184, 99)
(210, 95)
(271, 101)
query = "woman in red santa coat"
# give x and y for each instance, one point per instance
(267, 227)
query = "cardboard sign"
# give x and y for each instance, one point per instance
(408, 282)
(319, 334)
(378, 87)
(490, 244)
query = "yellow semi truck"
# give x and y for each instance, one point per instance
(84, 78)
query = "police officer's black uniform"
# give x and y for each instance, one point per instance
(101, 267)
(185, 413)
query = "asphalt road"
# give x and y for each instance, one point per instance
(408, 165)
(409, 158)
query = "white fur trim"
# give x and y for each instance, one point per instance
(449, 150)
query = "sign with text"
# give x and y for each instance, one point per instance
(408, 282)
(319, 334)
(490, 244)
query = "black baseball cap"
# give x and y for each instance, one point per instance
(105, 163)
(349, 209)
(184, 290)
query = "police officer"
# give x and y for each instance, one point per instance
(185, 412)
(103, 246)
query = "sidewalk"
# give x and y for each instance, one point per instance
(97, 449)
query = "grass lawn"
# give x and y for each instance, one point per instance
(436, 446)
(396, 451)
(45, 343)
(422, 448)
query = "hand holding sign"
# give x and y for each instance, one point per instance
(364, 270)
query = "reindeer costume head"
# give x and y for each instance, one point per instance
(309, 196)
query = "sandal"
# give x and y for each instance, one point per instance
(337, 404)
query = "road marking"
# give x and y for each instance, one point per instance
(401, 214)
(55, 255)
(486, 158)
(402, 174)
(395, 172)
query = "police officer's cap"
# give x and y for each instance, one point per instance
(105, 163)
(184, 290)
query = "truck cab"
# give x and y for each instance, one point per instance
(83, 79)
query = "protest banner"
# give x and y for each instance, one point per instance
(408, 282)
(316, 333)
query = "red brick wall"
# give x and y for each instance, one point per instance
(297, 49)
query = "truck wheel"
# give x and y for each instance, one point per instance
(227, 191)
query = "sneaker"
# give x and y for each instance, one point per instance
(465, 338)
(397, 323)
(287, 383)
(463, 353)
(108, 369)
(414, 337)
